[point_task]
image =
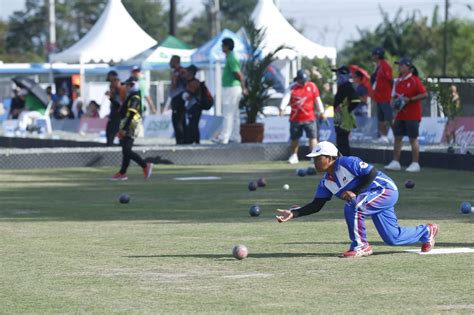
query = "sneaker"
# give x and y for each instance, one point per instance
(148, 170)
(219, 141)
(119, 176)
(293, 159)
(434, 229)
(393, 166)
(361, 252)
(413, 168)
(383, 140)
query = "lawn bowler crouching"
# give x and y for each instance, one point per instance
(367, 192)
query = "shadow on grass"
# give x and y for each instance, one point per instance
(257, 255)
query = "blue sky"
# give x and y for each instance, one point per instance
(327, 22)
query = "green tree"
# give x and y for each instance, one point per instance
(27, 34)
(232, 16)
(151, 16)
(415, 36)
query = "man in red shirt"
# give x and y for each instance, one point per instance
(382, 92)
(408, 92)
(304, 94)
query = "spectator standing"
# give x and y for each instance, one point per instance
(192, 96)
(345, 101)
(117, 94)
(362, 91)
(61, 106)
(382, 91)
(178, 85)
(303, 95)
(233, 87)
(77, 105)
(52, 97)
(146, 99)
(408, 91)
(130, 126)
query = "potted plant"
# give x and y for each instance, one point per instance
(256, 83)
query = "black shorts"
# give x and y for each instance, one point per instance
(384, 112)
(296, 129)
(406, 128)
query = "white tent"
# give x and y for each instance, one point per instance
(113, 38)
(279, 31)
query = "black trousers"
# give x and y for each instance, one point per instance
(113, 126)
(342, 141)
(128, 154)
(191, 130)
(178, 118)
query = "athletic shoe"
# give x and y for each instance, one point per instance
(393, 166)
(119, 176)
(293, 159)
(382, 140)
(361, 252)
(219, 141)
(413, 168)
(434, 229)
(148, 170)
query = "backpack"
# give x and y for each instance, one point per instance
(206, 101)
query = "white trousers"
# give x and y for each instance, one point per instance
(27, 118)
(230, 111)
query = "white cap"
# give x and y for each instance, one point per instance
(324, 148)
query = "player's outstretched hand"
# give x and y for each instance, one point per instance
(286, 215)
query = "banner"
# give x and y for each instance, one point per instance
(161, 126)
(431, 130)
(460, 130)
(92, 125)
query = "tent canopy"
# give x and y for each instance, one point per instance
(211, 51)
(158, 56)
(113, 38)
(278, 32)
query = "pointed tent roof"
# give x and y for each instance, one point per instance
(211, 51)
(279, 31)
(113, 38)
(158, 56)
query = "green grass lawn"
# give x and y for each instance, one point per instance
(69, 246)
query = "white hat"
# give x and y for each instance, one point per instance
(324, 148)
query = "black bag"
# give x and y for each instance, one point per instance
(206, 101)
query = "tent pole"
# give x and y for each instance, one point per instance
(82, 75)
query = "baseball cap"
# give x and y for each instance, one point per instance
(404, 61)
(111, 72)
(324, 148)
(301, 75)
(341, 70)
(378, 51)
(130, 80)
(192, 68)
(136, 68)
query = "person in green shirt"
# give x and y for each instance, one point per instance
(34, 110)
(136, 73)
(233, 87)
